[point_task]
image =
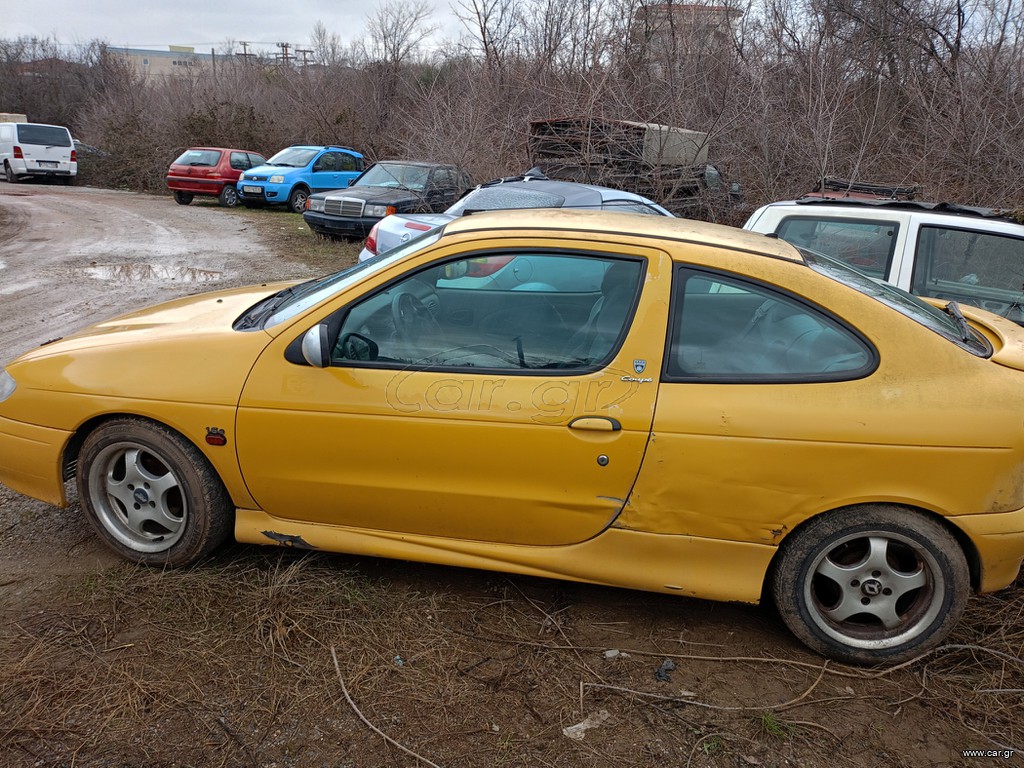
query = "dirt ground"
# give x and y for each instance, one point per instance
(265, 657)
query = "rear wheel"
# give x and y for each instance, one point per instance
(297, 199)
(871, 585)
(228, 197)
(9, 173)
(151, 494)
(182, 198)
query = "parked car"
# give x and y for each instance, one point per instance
(948, 252)
(37, 150)
(531, 190)
(212, 171)
(293, 174)
(383, 189)
(722, 416)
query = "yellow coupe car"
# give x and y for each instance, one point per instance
(624, 400)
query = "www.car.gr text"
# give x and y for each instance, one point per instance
(1003, 753)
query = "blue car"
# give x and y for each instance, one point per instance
(293, 174)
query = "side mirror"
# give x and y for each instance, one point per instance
(315, 347)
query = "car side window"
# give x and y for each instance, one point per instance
(347, 162)
(257, 160)
(729, 330)
(507, 311)
(443, 178)
(239, 161)
(972, 267)
(865, 245)
(328, 161)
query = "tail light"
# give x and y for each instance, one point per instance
(371, 239)
(18, 154)
(74, 156)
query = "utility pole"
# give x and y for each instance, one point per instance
(285, 55)
(245, 55)
(306, 53)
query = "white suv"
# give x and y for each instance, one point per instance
(970, 255)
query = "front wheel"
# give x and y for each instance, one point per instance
(297, 199)
(871, 585)
(182, 198)
(228, 197)
(151, 494)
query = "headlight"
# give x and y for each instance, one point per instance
(279, 179)
(7, 385)
(376, 210)
(316, 205)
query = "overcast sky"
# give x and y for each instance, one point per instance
(203, 24)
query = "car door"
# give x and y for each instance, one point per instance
(457, 404)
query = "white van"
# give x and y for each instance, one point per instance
(34, 149)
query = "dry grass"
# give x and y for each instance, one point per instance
(231, 664)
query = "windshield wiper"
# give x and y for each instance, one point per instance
(953, 310)
(265, 308)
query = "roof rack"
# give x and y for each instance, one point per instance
(848, 187)
(1003, 214)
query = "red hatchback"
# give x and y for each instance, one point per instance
(210, 171)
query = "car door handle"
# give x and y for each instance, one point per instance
(595, 424)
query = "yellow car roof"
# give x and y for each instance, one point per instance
(628, 224)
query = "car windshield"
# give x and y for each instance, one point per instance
(504, 197)
(944, 323)
(395, 175)
(199, 157)
(293, 157)
(306, 295)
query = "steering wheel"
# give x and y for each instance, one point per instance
(413, 321)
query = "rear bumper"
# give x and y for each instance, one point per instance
(31, 460)
(196, 186)
(999, 540)
(33, 168)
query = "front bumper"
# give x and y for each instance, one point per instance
(263, 192)
(999, 540)
(31, 460)
(339, 225)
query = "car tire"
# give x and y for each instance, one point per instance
(151, 495)
(871, 585)
(297, 199)
(9, 174)
(228, 197)
(182, 198)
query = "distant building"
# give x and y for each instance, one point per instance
(665, 30)
(177, 61)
